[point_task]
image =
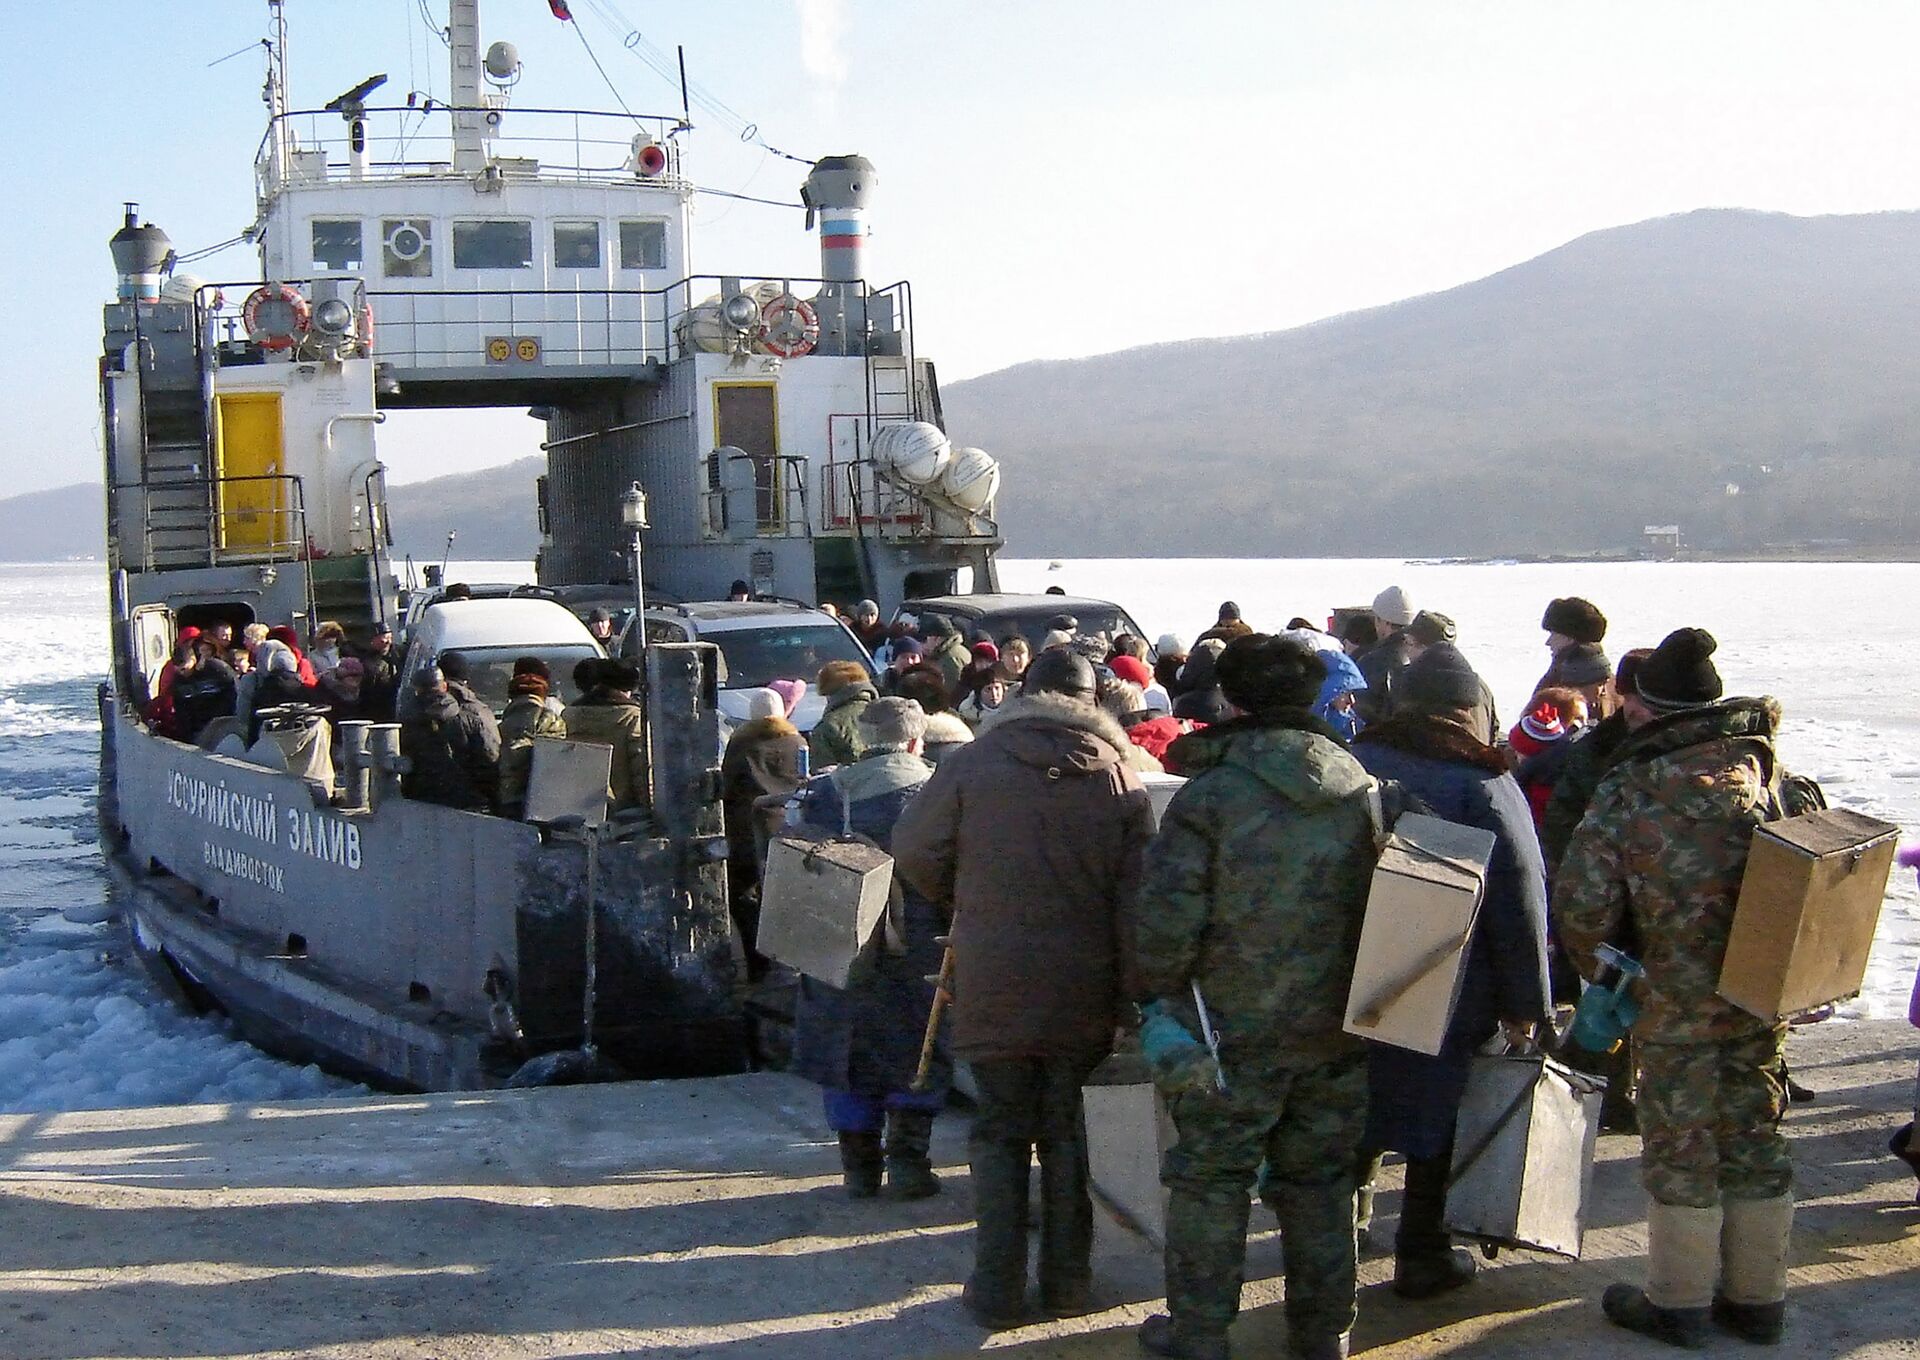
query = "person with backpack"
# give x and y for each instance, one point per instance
(1656, 866)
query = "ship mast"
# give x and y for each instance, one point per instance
(463, 57)
(275, 94)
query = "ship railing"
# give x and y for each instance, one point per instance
(858, 500)
(220, 521)
(306, 148)
(515, 332)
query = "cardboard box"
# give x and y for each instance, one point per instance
(1421, 913)
(1523, 1154)
(820, 902)
(1808, 908)
(1128, 1132)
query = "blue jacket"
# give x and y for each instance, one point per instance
(1415, 1098)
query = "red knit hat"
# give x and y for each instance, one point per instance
(985, 651)
(1539, 728)
(1130, 668)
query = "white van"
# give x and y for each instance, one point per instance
(492, 635)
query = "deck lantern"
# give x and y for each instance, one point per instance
(633, 509)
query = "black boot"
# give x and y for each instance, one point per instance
(1902, 1145)
(1763, 1324)
(1627, 1306)
(1425, 1261)
(860, 1163)
(909, 1168)
(996, 1294)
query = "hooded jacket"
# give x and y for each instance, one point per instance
(1031, 837)
(526, 719)
(1380, 666)
(835, 739)
(1657, 863)
(606, 717)
(1255, 887)
(946, 733)
(1156, 737)
(454, 745)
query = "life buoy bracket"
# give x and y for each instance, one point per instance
(789, 327)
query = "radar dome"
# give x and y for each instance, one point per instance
(503, 60)
(915, 452)
(971, 480)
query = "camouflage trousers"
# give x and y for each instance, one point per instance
(1303, 1125)
(1710, 1119)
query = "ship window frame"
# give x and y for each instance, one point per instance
(577, 224)
(657, 224)
(468, 226)
(359, 245)
(391, 265)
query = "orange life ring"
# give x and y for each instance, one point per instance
(789, 327)
(288, 297)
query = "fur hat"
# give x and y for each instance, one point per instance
(837, 675)
(1170, 644)
(1680, 673)
(925, 685)
(1394, 606)
(889, 724)
(790, 692)
(1057, 638)
(523, 682)
(1441, 679)
(1628, 671)
(1575, 618)
(1430, 627)
(532, 665)
(1264, 674)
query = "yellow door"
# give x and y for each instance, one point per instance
(248, 454)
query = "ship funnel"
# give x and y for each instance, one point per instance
(836, 193)
(140, 255)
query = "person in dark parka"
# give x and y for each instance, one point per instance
(1429, 746)
(1032, 837)
(762, 759)
(862, 1043)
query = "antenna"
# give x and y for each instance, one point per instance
(686, 107)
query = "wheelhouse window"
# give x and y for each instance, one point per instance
(493, 245)
(576, 245)
(643, 245)
(336, 243)
(406, 248)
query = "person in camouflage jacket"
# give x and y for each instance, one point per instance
(1655, 867)
(1254, 888)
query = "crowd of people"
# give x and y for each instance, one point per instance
(1005, 780)
(1004, 777)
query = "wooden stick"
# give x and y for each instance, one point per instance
(942, 997)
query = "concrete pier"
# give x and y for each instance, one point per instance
(705, 1218)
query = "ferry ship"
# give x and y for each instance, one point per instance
(701, 429)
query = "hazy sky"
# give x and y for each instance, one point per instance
(1057, 177)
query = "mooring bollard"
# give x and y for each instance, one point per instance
(388, 764)
(356, 764)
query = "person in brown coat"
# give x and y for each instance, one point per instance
(762, 758)
(1031, 839)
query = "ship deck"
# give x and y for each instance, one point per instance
(705, 1218)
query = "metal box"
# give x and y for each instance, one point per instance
(1421, 913)
(1809, 904)
(1523, 1154)
(1128, 1132)
(820, 902)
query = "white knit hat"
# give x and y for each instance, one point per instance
(1170, 644)
(1393, 605)
(764, 703)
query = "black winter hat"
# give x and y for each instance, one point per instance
(1430, 628)
(1262, 673)
(1575, 618)
(1060, 670)
(1440, 679)
(1680, 673)
(454, 666)
(1581, 664)
(1229, 611)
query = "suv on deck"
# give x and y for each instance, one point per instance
(991, 618)
(759, 640)
(492, 633)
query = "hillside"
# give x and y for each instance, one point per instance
(50, 526)
(494, 511)
(1750, 376)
